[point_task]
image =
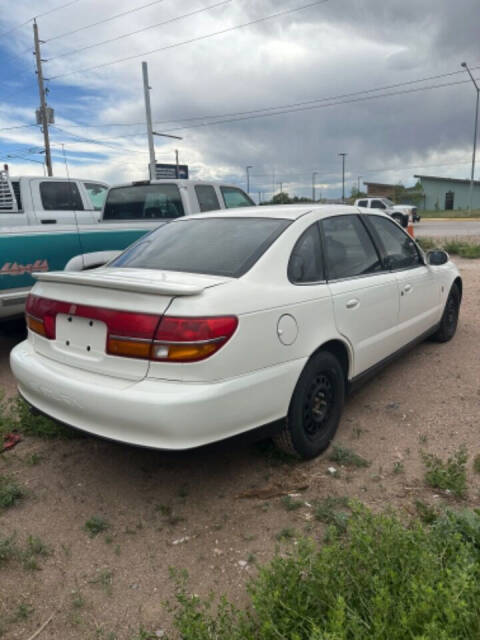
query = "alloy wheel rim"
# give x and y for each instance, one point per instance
(318, 404)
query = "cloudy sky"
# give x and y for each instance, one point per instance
(284, 95)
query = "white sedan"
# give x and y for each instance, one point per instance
(217, 324)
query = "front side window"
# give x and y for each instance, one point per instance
(60, 196)
(207, 197)
(349, 251)
(144, 202)
(400, 250)
(306, 263)
(213, 246)
(362, 203)
(378, 204)
(97, 194)
(234, 197)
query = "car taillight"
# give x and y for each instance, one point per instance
(139, 335)
(191, 339)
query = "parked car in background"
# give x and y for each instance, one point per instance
(214, 325)
(402, 213)
(49, 223)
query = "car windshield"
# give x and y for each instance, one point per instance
(212, 246)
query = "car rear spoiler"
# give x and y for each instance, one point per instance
(111, 281)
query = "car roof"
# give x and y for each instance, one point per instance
(279, 211)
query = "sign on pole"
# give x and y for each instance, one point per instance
(170, 171)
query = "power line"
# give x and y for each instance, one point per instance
(196, 39)
(18, 126)
(316, 106)
(63, 6)
(100, 141)
(94, 24)
(280, 107)
(131, 33)
(39, 15)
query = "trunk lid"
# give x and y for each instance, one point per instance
(90, 307)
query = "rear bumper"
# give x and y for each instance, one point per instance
(154, 413)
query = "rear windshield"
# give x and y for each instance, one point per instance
(143, 202)
(213, 246)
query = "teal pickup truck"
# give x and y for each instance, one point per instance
(47, 224)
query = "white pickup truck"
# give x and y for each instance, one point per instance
(399, 212)
(47, 224)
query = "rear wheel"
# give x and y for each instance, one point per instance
(315, 408)
(449, 321)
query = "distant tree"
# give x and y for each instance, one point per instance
(284, 198)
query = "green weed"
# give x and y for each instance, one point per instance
(95, 525)
(10, 492)
(291, 504)
(378, 579)
(347, 458)
(450, 475)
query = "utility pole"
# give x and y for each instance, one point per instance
(148, 115)
(314, 175)
(248, 177)
(281, 187)
(259, 197)
(150, 132)
(43, 100)
(177, 170)
(343, 175)
(358, 184)
(472, 175)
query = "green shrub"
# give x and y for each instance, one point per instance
(16, 415)
(450, 475)
(380, 580)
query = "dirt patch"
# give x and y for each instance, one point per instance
(219, 510)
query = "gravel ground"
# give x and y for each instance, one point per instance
(218, 511)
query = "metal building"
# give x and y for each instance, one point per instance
(449, 193)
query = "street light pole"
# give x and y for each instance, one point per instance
(343, 175)
(314, 174)
(358, 184)
(477, 89)
(248, 177)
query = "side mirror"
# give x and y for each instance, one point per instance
(436, 257)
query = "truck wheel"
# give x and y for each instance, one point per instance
(315, 408)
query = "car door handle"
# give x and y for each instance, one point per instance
(353, 303)
(48, 221)
(407, 288)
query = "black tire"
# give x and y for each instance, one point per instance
(315, 408)
(449, 321)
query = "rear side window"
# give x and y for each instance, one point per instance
(213, 246)
(349, 251)
(60, 196)
(234, 197)
(207, 198)
(400, 250)
(97, 194)
(306, 263)
(144, 202)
